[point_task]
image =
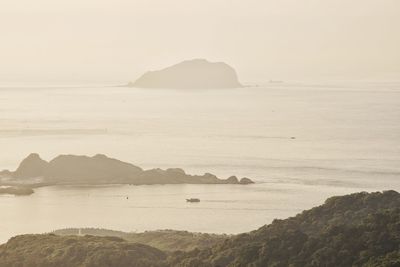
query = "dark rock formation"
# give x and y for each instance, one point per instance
(235, 180)
(246, 181)
(100, 169)
(191, 74)
(232, 180)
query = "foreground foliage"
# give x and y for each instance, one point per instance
(166, 240)
(355, 230)
(89, 251)
(361, 229)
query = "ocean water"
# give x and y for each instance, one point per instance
(300, 142)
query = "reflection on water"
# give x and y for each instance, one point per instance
(301, 143)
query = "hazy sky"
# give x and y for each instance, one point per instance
(117, 40)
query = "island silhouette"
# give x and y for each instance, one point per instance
(100, 169)
(190, 74)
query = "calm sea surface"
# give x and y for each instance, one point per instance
(301, 143)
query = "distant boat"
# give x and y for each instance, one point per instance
(192, 200)
(275, 81)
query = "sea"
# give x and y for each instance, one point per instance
(301, 142)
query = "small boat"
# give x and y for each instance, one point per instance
(192, 200)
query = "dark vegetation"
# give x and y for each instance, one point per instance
(361, 229)
(354, 230)
(166, 240)
(89, 251)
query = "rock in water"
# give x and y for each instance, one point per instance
(191, 74)
(246, 181)
(232, 180)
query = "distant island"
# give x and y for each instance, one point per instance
(100, 170)
(190, 74)
(360, 229)
(16, 190)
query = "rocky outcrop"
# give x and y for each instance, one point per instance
(100, 169)
(190, 74)
(97, 169)
(245, 181)
(31, 167)
(235, 180)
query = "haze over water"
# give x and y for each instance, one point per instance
(300, 142)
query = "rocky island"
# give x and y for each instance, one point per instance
(98, 170)
(190, 74)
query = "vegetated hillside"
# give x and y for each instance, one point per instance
(360, 229)
(355, 230)
(166, 240)
(89, 251)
